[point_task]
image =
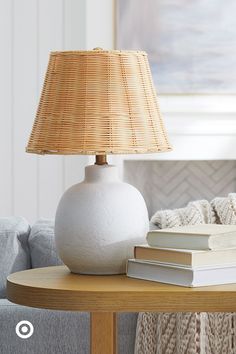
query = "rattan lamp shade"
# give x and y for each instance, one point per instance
(98, 102)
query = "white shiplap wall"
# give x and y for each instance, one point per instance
(31, 185)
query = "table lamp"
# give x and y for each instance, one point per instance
(98, 103)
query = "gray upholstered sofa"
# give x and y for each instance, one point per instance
(55, 332)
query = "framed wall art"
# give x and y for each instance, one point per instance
(191, 43)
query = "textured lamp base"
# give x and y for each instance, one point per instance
(98, 221)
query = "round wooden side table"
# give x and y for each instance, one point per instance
(57, 288)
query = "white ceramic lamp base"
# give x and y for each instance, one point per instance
(98, 222)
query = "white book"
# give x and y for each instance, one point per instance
(199, 237)
(183, 276)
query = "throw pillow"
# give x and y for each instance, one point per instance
(42, 245)
(14, 252)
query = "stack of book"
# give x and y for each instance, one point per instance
(195, 255)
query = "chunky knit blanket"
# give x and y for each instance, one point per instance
(190, 333)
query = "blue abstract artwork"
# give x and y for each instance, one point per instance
(191, 43)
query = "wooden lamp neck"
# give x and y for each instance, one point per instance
(101, 160)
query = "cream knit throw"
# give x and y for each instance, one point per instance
(190, 333)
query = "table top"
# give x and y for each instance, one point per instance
(57, 288)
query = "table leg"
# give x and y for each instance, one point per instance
(103, 333)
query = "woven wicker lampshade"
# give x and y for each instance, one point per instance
(98, 102)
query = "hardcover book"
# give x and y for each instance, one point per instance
(179, 275)
(199, 237)
(191, 258)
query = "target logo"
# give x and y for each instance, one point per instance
(24, 329)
